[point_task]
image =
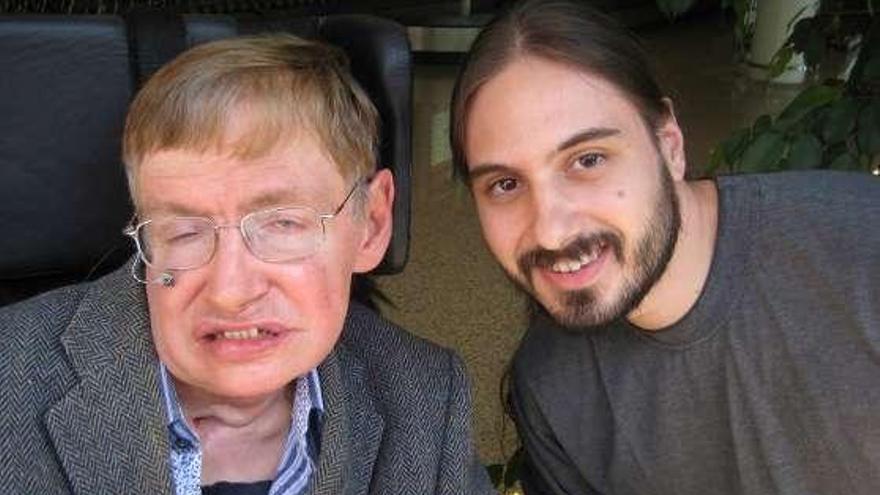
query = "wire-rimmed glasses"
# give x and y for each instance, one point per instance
(275, 235)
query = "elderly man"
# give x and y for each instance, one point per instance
(692, 337)
(227, 358)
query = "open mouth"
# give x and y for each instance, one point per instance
(243, 342)
(571, 265)
(578, 270)
(253, 333)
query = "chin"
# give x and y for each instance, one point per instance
(244, 385)
(249, 390)
(581, 309)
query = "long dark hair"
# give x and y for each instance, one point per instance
(567, 32)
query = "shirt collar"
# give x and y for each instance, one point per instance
(308, 403)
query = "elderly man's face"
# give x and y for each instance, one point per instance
(576, 198)
(239, 327)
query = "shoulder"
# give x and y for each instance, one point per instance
(810, 238)
(824, 194)
(35, 370)
(29, 326)
(820, 208)
(46, 336)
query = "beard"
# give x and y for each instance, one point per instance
(583, 308)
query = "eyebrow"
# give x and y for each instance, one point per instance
(584, 136)
(587, 135)
(271, 198)
(486, 169)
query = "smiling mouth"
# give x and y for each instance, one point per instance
(253, 333)
(570, 265)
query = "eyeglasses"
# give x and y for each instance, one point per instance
(276, 235)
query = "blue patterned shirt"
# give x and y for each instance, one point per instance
(300, 451)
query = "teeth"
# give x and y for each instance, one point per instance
(573, 265)
(567, 266)
(250, 333)
(590, 256)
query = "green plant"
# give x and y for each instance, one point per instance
(832, 124)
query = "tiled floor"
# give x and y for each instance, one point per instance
(452, 292)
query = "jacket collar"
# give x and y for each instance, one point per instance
(352, 427)
(109, 430)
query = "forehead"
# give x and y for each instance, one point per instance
(534, 104)
(221, 183)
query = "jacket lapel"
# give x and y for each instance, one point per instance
(352, 428)
(109, 430)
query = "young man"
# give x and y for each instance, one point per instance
(691, 337)
(227, 357)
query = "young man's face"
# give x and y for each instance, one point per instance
(240, 327)
(575, 194)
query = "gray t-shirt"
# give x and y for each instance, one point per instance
(769, 384)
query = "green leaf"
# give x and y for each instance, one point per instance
(804, 103)
(805, 153)
(716, 160)
(840, 120)
(780, 61)
(762, 124)
(674, 8)
(732, 148)
(764, 153)
(846, 161)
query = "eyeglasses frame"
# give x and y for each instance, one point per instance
(132, 230)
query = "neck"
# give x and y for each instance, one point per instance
(200, 406)
(678, 289)
(241, 439)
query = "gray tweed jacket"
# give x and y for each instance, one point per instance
(81, 409)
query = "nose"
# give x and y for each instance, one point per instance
(554, 217)
(235, 279)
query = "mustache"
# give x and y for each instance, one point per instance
(546, 258)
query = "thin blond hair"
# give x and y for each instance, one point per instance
(289, 84)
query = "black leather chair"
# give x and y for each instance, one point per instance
(65, 85)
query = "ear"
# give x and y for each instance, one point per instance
(377, 222)
(671, 143)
